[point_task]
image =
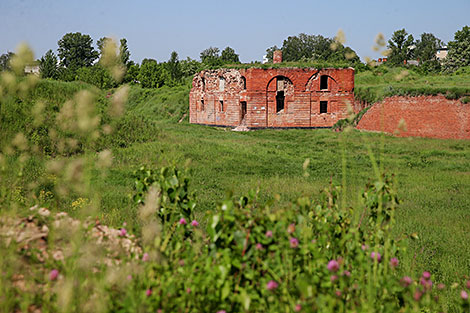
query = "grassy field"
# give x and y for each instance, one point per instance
(433, 176)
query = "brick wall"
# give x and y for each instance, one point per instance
(259, 88)
(424, 116)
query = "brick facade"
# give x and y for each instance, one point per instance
(283, 97)
(424, 116)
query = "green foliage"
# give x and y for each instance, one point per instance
(426, 47)
(96, 75)
(132, 73)
(400, 46)
(210, 56)
(174, 69)
(229, 56)
(152, 74)
(76, 51)
(172, 185)
(314, 48)
(48, 65)
(459, 50)
(5, 61)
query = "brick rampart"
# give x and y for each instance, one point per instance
(423, 116)
(250, 97)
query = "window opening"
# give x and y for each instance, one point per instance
(202, 105)
(221, 84)
(243, 82)
(280, 101)
(243, 109)
(221, 105)
(203, 84)
(324, 82)
(323, 106)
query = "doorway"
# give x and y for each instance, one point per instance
(243, 111)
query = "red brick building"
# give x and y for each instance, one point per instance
(276, 97)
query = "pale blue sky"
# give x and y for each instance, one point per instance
(155, 28)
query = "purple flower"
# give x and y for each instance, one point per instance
(417, 295)
(269, 234)
(347, 273)
(122, 232)
(364, 247)
(333, 278)
(188, 290)
(333, 266)
(467, 284)
(145, 257)
(271, 285)
(426, 283)
(338, 293)
(259, 246)
(53, 274)
(194, 223)
(441, 286)
(182, 221)
(426, 275)
(406, 281)
(294, 242)
(376, 256)
(298, 308)
(464, 295)
(148, 292)
(129, 277)
(394, 262)
(221, 311)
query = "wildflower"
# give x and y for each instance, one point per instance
(333, 266)
(376, 256)
(221, 311)
(393, 262)
(364, 247)
(467, 284)
(333, 278)
(426, 275)
(181, 262)
(441, 286)
(122, 232)
(188, 290)
(338, 293)
(347, 273)
(259, 246)
(291, 228)
(124, 224)
(129, 277)
(271, 285)
(294, 242)
(53, 275)
(182, 221)
(145, 257)
(417, 295)
(406, 281)
(269, 234)
(148, 292)
(298, 308)
(464, 295)
(194, 223)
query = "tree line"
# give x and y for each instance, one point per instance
(77, 58)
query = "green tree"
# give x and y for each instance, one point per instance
(124, 53)
(401, 47)
(151, 74)
(76, 51)
(189, 67)
(229, 56)
(210, 56)
(174, 69)
(48, 65)
(132, 73)
(427, 46)
(459, 50)
(5, 61)
(96, 75)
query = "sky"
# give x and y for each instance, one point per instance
(154, 29)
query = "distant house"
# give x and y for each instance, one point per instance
(441, 53)
(31, 69)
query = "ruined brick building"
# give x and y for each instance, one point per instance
(275, 97)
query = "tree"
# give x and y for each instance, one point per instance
(5, 61)
(229, 56)
(151, 74)
(76, 51)
(313, 48)
(174, 68)
(427, 46)
(132, 73)
(96, 75)
(210, 56)
(401, 47)
(189, 67)
(124, 53)
(48, 65)
(459, 50)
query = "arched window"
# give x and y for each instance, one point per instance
(324, 82)
(243, 82)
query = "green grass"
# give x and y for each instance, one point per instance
(433, 176)
(381, 82)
